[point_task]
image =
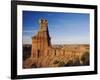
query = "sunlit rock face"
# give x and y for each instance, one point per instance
(45, 54)
(41, 41)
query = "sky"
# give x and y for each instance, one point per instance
(64, 28)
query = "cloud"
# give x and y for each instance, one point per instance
(30, 31)
(26, 39)
(27, 36)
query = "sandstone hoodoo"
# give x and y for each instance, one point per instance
(46, 54)
(41, 41)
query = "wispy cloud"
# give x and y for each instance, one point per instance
(27, 35)
(63, 27)
(30, 31)
(26, 39)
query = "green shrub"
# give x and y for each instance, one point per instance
(73, 62)
(61, 64)
(69, 63)
(33, 66)
(85, 58)
(56, 62)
